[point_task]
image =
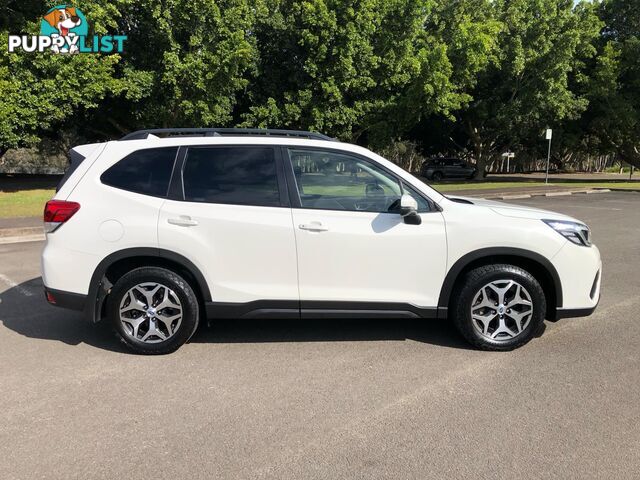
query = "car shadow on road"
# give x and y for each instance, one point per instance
(24, 310)
(434, 332)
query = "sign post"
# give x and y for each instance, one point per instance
(509, 156)
(548, 137)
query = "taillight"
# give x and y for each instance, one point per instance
(50, 298)
(57, 212)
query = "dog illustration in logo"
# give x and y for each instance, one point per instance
(63, 19)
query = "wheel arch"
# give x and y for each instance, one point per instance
(540, 267)
(112, 267)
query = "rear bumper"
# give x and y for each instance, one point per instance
(70, 300)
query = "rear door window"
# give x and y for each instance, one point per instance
(231, 175)
(144, 171)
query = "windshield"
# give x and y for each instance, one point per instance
(431, 187)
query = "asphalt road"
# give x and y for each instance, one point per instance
(328, 400)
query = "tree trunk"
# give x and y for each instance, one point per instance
(479, 151)
(631, 154)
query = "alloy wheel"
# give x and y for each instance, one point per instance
(501, 310)
(150, 312)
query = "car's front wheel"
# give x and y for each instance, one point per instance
(153, 310)
(498, 307)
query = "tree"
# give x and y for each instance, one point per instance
(542, 49)
(465, 33)
(471, 76)
(187, 62)
(614, 113)
(39, 92)
(353, 69)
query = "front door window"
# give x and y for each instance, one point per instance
(329, 180)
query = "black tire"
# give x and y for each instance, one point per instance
(182, 290)
(470, 285)
(436, 177)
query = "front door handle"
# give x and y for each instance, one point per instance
(183, 221)
(313, 227)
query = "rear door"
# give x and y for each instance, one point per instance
(229, 214)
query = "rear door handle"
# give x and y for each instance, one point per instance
(183, 221)
(313, 227)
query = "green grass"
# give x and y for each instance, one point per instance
(447, 187)
(25, 203)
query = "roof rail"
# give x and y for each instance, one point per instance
(217, 132)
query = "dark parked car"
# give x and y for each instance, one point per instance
(438, 168)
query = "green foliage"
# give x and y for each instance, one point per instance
(336, 66)
(189, 59)
(38, 91)
(542, 50)
(614, 114)
(474, 75)
(183, 64)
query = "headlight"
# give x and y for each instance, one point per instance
(577, 233)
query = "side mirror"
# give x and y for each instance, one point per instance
(409, 210)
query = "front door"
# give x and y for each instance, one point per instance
(354, 249)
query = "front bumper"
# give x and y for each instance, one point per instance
(580, 272)
(574, 312)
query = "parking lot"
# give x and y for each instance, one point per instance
(395, 399)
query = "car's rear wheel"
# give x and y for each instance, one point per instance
(436, 177)
(498, 307)
(153, 310)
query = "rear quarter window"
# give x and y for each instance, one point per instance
(75, 159)
(144, 171)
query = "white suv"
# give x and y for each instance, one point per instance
(164, 228)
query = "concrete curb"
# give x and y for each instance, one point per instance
(614, 189)
(20, 232)
(502, 196)
(21, 239)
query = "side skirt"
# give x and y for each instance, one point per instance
(292, 309)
